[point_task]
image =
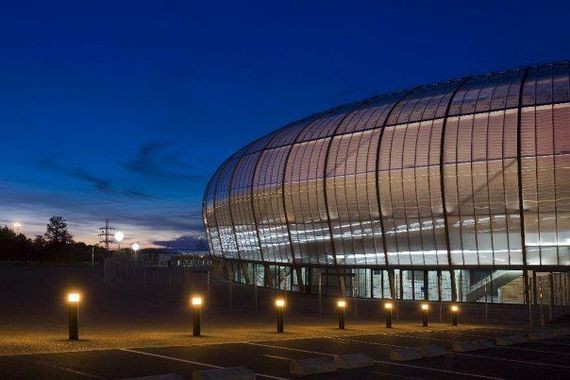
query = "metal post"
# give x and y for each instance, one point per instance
(320, 293)
(93, 256)
(279, 319)
(196, 321)
(424, 316)
(454, 312)
(73, 321)
(388, 312)
(255, 296)
(341, 318)
(208, 284)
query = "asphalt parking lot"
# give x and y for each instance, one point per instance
(270, 359)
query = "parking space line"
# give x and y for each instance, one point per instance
(65, 369)
(365, 342)
(473, 336)
(381, 362)
(193, 362)
(512, 360)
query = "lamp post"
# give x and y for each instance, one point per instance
(388, 306)
(454, 312)
(341, 304)
(425, 310)
(196, 303)
(73, 299)
(279, 306)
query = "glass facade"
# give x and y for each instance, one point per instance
(469, 174)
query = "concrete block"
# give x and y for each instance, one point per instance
(431, 351)
(539, 335)
(350, 361)
(166, 376)
(404, 354)
(231, 373)
(510, 340)
(484, 344)
(312, 366)
(465, 346)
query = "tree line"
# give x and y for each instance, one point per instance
(55, 245)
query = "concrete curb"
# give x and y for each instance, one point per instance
(351, 361)
(540, 335)
(312, 366)
(432, 351)
(510, 340)
(472, 345)
(231, 373)
(404, 354)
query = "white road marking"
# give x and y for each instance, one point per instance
(277, 357)
(373, 343)
(380, 362)
(513, 360)
(194, 362)
(66, 369)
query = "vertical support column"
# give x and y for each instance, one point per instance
(426, 285)
(442, 187)
(521, 200)
(391, 283)
(534, 299)
(551, 303)
(439, 297)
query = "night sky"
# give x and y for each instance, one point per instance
(123, 109)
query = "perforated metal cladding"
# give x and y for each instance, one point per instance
(362, 183)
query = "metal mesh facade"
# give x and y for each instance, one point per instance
(470, 173)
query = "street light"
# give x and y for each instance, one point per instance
(341, 304)
(119, 236)
(73, 299)
(388, 306)
(136, 247)
(425, 310)
(279, 305)
(454, 312)
(196, 303)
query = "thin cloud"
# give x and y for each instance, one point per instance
(162, 160)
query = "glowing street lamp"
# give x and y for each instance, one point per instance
(425, 310)
(388, 306)
(196, 304)
(136, 247)
(73, 299)
(279, 305)
(454, 312)
(341, 304)
(119, 236)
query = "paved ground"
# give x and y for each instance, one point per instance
(270, 359)
(129, 336)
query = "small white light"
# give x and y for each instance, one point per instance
(425, 306)
(136, 247)
(280, 302)
(341, 304)
(454, 308)
(388, 305)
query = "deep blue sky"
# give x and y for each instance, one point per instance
(123, 109)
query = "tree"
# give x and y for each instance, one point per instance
(56, 232)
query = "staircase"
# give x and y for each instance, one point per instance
(483, 287)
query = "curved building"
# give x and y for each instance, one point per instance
(425, 193)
